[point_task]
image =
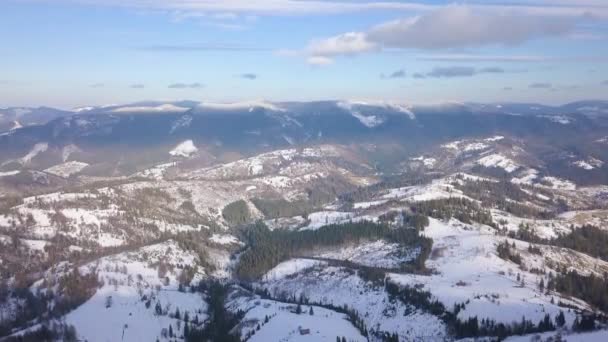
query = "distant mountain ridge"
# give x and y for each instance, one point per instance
(135, 136)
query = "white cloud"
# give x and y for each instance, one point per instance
(319, 61)
(350, 43)
(458, 26)
(451, 26)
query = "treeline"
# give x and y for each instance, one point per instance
(587, 239)
(471, 327)
(506, 252)
(318, 194)
(275, 208)
(591, 289)
(269, 248)
(505, 196)
(390, 182)
(417, 221)
(462, 209)
(221, 321)
(70, 291)
(47, 332)
(352, 315)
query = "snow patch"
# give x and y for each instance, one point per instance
(184, 149)
(36, 150)
(500, 161)
(164, 108)
(67, 169)
(249, 105)
(589, 164)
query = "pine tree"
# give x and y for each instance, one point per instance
(311, 312)
(560, 319)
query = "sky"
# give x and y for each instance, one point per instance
(70, 53)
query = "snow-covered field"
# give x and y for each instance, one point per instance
(375, 254)
(500, 161)
(285, 324)
(469, 270)
(67, 169)
(124, 307)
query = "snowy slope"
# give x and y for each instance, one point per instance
(285, 324)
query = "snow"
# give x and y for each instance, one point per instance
(67, 169)
(560, 119)
(37, 245)
(526, 177)
(407, 110)
(495, 138)
(290, 267)
(427, 162)
(16, 125)
(163, 108)
(546, 229)
(128, 314)
(67, 151)
(451, 145)
(370, 121)
(366, 205)
(156, 172)
(594, 336)
(437, 189)
(323, 218)
(589, 164)
(182, 122)
(9, 173)
(468, 269)
(339, 286)
(559, 184)
(475, 147)
(374, 254)
(500, 161)
(37, 149)
(184, 149)
(127, 276)
(285, 324)
(224, 239)
(249, 105)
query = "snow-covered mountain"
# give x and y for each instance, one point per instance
(319, 221)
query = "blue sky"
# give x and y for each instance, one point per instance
(69, 53)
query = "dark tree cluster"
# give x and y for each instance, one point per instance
(472, 327)
(269, 248)
(588, 239)
(461, 209)
(275, 208)
(504, 195)
(591, 289)
(505, 251)
(47, 332)
(236, 213)
(221, 321)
